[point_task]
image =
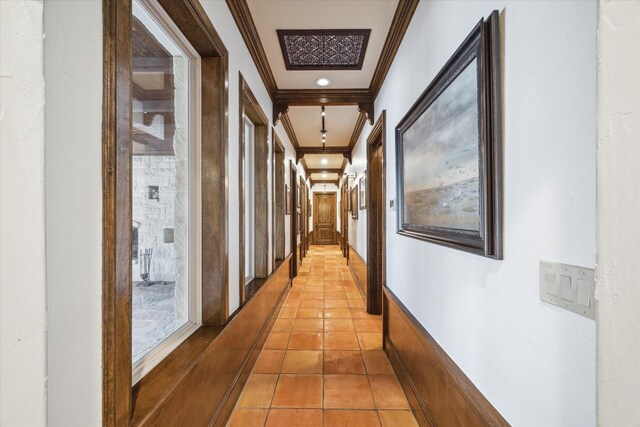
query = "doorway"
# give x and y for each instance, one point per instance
(293, 176)
(376, 268)
(324, 215)
(344, 220)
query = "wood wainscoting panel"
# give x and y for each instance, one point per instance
(209, 390)
(439, 393)
(358, 267)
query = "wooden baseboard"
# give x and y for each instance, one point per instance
(439, 393)
(358, 267)
(207, 394)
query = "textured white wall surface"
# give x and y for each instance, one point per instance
(73, 78)
(23, 378)
(357, 168)
(533, 361)
(618, 197)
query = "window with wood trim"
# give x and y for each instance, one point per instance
(165, 190)
(279, 201)
(254, 155)
(165, 107)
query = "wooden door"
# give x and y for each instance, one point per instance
(325, 218)
(376, 203)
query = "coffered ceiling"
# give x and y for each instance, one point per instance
(339, 123)
(270, 16)
(350, 42)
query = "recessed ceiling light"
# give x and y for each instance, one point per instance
(324, 174)
(324, 161)
(323, 81)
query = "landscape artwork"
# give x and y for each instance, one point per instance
(441, 159)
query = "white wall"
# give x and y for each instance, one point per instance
(618, 202)
(73, 76)
(23, 382)
(533, 361)
(355, 170)
(240, 62)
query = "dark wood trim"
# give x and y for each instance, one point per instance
(323, 32)
(249, 107)
(283, 98)
(191, 19)
(215, 195)
(445, 395)
(301, 151)
(344, 214)
(321, 170)
(210, 380)
(376, 215)
(399, 25)
(367, 108)
(278, 206)
(416, 404)
(334, 196)
(357, 130)
(322, 96)
(358, 267)
(303, 162)
(116, 213)
(241, 14)
(324, 181)
(195, 24)
(293, 220)
(291, 133)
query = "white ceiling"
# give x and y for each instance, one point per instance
(339, 123)
(314, 161)
(330, 176)
(273, 15)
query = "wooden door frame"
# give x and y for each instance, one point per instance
(376, 273)
(277, 211)
(249, 107)
(344, 212)
(315, 212)
(193, 22)
(293, 220)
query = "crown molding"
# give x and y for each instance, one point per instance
(324, 181)
(397, 30)
(321, 170)
(242, 15)
(288, 128)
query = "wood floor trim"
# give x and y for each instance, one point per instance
(357, 265)
(207, 392)
(443, 394)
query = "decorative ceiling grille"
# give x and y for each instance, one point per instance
(323, 49)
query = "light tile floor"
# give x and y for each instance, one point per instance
(323, 363)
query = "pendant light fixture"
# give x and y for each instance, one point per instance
(323, 131)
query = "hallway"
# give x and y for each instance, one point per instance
(323, 362)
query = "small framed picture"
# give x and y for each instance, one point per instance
(354, 202)
(287, 200)
(298, 196)
(363, 191)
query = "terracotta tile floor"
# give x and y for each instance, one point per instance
(323, 362)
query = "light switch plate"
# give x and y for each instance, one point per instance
(569, 287)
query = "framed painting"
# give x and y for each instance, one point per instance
(449, 151)
(298, 196)
(363, 191)
(287, 198)
(353, 201)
